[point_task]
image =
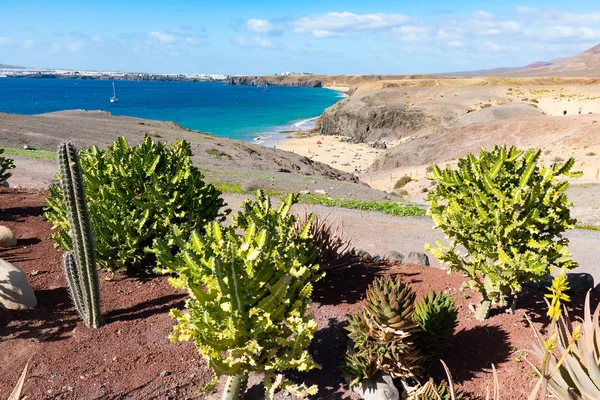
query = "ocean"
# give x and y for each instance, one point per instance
(238, 112)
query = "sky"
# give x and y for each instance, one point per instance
(265, 37)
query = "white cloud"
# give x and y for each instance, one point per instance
(335, 23)
(263, 26)
(75, 45)
(97, 39)
(193, 41)
(5, 41)
(254, 42)
(162, 37)
(500, 48)
(558, 17)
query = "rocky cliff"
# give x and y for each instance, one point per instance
(298, 80)
(383, 115)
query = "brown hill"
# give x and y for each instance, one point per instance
(586, 64)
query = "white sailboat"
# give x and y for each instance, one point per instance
(114, 98)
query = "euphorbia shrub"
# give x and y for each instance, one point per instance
(249, 295)
(509, 214)
(134, 195)
(5, 165)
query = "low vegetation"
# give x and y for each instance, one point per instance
(509, 214)
(396, 209)
(400, 183)
(32, 153)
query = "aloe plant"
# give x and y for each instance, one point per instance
(509, 214)
(249, 295)
(80, 267)
(572, 371)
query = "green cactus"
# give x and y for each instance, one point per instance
(437, 315)
(509, 214)
(249, 296)
(80, 268)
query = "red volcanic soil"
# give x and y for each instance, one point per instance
(131, 357)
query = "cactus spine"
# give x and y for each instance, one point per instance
(80, 265)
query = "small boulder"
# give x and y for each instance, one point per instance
(393, 256)
(15, 291)
(380, 387)
(580, 282)
(7, 237)
(321, 192)
(5, 184)
(417, 258)
(364, 256)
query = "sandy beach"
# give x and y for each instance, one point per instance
(332, 150)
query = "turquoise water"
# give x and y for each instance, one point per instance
(236, 112)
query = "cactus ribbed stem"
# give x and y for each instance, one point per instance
(80, 267)
(235, 387)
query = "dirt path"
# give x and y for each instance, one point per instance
(378, 233)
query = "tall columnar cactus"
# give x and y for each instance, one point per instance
(80, 267)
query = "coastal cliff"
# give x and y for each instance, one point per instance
(382, 115)
(302, 81)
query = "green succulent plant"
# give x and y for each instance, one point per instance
(432, 391)
(5, 165)
(509, 214)
(572, 369)
(134, 195)
(437, 316)
(249, 295)
(383, 335)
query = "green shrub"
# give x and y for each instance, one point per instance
(5, 165)
(249, 296)
(509, 214)
(135, 194)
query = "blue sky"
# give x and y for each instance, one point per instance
(263, 37)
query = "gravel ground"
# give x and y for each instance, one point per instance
(378, 233)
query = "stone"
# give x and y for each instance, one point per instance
(321, 191)
(417, 258)
(164, 374)
(7, 237)
(380, 387)
(363, 255)
(580, 282)
(15, 291)
(376, 257)
(5, 184)
(393, 256)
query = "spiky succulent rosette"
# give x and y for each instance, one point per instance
(389, 305)
(437, 315)
(431, 391)
(383, 335)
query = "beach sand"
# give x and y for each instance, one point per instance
(331, 150)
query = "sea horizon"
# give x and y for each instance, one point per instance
(246, 113)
